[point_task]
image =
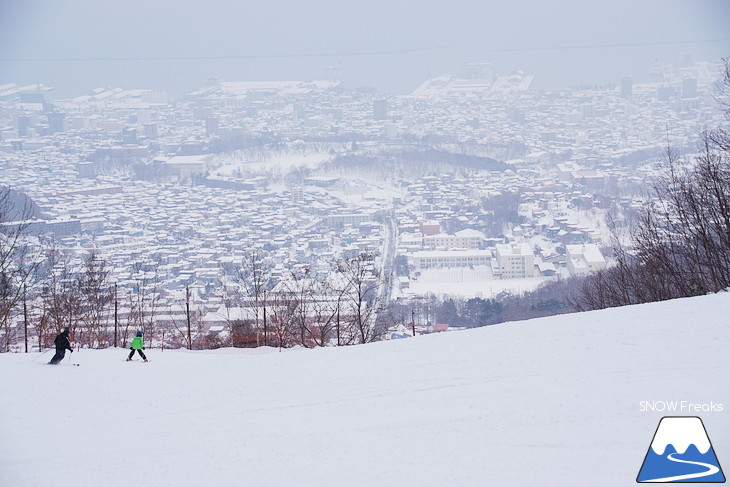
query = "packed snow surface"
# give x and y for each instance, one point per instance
(554, 401)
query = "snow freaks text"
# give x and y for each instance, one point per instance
(680, 407)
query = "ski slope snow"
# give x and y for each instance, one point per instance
(552, 401)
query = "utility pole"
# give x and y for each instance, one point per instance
(187, 308)
(25, 315)
(116, 315)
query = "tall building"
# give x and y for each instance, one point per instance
(665, 93)
(480, 71)
(56, 122)
(129, 136)
(689, 88)
(23, 124)
(516, 261)
(657, 72)
(587, 110)
(297, 193)
(32, 97)
(150, 130)
(380, 109)
(627, 86)
(211, 126)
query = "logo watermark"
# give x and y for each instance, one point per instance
(681, 407)
(680, 451)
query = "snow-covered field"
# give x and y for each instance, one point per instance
(548, 402)
(469, 283)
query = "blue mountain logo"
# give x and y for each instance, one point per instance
(680, 452)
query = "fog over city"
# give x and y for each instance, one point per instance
(384, 242)
(445, 166)
(389, 45)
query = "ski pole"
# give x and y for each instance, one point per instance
(69, 359)
(39, 356)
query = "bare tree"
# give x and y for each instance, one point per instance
(187, 320)
(17, 261)
(144, 299)
(283, 308)
(231, 294)
(129, 323)
(325, 312)
(59, 290)
(254, 275)
(96, 299)
(315, 307)
(362, 296)
(42, 327)
(680, 245)
(302, 295)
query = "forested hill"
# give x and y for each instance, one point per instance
(415, 160)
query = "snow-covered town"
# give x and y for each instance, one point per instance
(174, 195)
(384, 243)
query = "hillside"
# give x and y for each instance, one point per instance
(553, 401)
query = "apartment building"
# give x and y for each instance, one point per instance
(515, 261)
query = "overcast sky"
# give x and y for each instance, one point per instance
(391, 45)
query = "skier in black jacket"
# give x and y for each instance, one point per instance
(62, 344)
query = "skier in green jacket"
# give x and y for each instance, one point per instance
(137, 346)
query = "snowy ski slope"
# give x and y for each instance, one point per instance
(547, 402)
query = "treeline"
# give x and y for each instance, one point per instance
(551, 298)
(44, 289)
(345, 306)
(42, 292)
(411, 162)
(434, 156)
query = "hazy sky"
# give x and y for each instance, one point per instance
(391, 45)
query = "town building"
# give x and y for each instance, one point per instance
(433, 259)
(515, 261)
(584, 259)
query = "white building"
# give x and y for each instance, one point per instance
(463, 239)
(515, 261)
(186, 166)
(342, 219)
(429, 259)
(583, 259)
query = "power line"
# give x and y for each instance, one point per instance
(226, 57)
(605, 46)
(348, 53)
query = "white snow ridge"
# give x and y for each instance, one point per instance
(680, 432)
(547, 402)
